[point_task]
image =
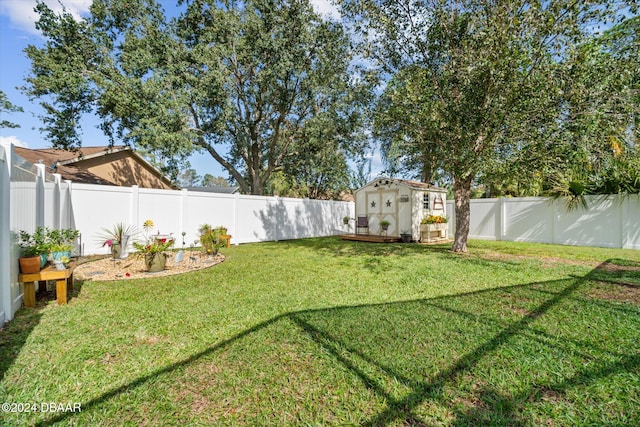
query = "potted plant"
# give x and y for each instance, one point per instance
(153, 248)
(33, 250)
(61, 242)
(384, 225)
(405, 235)
(346, 220)
(210, 238)
(116, 237)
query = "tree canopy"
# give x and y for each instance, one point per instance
(7, 106)
(253, 83)
(477, 82)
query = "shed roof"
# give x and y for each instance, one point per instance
(417, 185)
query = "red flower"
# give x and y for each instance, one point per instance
(127, 274)
(163, 240)
(148, 247)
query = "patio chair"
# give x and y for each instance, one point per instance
(362, 223)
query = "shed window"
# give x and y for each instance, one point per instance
(425, 201)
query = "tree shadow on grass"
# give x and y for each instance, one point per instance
(494, 357)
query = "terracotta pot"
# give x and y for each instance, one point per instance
(30, 264)
(155, 262)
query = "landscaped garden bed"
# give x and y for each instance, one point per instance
(133, 267)
(323, 331)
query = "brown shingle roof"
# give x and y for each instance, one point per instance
(50, 156)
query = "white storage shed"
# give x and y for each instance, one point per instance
(400, 202)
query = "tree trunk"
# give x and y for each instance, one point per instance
(462, 197)
(256, 184)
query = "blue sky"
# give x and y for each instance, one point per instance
(17, 31)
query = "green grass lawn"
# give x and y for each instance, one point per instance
(326, 332)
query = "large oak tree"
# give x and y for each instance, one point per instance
(245, 81)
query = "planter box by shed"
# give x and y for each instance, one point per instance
(401, 202)
(434, 232)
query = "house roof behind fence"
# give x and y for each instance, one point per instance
(117, 165)
(51, 159)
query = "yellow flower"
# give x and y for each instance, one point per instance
(148, 224)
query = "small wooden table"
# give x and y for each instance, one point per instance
(62, 278)
(226, 237)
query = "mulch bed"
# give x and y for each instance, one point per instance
(133, 267)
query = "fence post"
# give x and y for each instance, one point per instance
(40, 203)
(234, 217)
(554, 219)
(135, 206)
(625, 228)
(5, 232)
(502, 209)
(57, 203)
(69, 220)
(183, 204)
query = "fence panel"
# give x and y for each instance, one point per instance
(630, 213)
(485, 219)
(207, 208)
(528, 219)
(256, 219)
(598, 225)
(163, 207)
(94, 207)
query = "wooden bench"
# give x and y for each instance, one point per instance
(62, 278)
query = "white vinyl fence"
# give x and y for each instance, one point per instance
(31, 197)
(247, 218)
(608, 221)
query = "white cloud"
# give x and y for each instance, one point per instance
(22, 16)
(13, 140)
(325, 9)
(21, 13)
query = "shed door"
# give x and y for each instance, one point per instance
(382, 205)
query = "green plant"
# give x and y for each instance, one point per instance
(33, 244)
(346, 220)
(61, 240)
(114, 235)
(152, 244)
(435, 219)
(210, 238)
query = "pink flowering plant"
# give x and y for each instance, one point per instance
(152, 243)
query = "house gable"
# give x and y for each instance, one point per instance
(119, 166)
(125, 168)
